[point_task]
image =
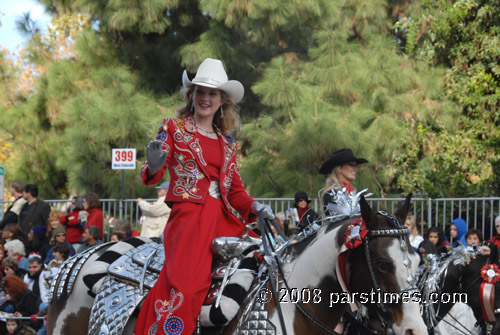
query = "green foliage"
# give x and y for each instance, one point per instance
(319, 75)
(462, 36)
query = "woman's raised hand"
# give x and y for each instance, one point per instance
(155, 156)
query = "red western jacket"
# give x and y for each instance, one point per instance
(185, 164)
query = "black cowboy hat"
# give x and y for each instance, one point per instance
(301, 196)
(340, 157)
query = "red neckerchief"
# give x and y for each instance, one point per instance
(348, 186)
(301, 212)
(19, 257)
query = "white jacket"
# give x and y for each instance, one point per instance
(155, 217)
(44, 290)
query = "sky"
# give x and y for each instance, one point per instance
(10, 11)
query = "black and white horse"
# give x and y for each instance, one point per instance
(311, 295)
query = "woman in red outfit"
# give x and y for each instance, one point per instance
(205, 184)
(91, 205)
(73, 228)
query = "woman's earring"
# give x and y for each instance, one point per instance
(221, 112)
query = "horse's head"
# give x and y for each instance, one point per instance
(388, 264)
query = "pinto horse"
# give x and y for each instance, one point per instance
(309, 284)
(383, 263)
(453, 278)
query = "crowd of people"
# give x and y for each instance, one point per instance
(35, 241)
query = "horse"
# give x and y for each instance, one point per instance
(452, 277)
(305, 302)
(310, 284)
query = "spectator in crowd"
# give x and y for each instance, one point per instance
(2, 257)
(12, 213)
(24, 302)
(73, 228)
(307, 216)
(60, 255)
(415, 237)
(496, 239)
(474, 237)
(123, 227)
(15, 327)
(11, 268)
(54, 222)
(90, 238)
(15, 250)
(425, 248)
(35, 212)
(34, 281)
(115, 237)
(58, 237)
(155, 214)
(458, 229)
(436, 236)
(37, 242)
(91, 215)
(12, 231)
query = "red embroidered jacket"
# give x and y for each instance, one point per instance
(185, 163)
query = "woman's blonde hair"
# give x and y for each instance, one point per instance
(331, 182)
(229, 124)
(413, 229)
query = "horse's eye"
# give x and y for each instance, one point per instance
(385, 266)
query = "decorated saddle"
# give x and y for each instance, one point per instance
(121, 277)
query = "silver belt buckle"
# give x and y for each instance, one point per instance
(214, 190)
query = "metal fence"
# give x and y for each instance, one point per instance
(479, 213)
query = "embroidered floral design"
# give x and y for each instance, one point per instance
(162, 136)
(188, 175)
(164, 309)
(179, 124)
(173, 325)
(195, 146)
(227, 157)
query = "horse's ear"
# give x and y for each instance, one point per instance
(367, 213)
(404, 209)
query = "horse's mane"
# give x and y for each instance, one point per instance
(300, 246)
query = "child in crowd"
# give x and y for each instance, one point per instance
(61, 254)
(458, 229)
(415, 237)
(58, 237)
(11, 326)
(436, 236)
(115, 237)
(14, 327)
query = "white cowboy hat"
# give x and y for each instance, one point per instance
(211, 74)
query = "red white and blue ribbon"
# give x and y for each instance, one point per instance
(490, 273)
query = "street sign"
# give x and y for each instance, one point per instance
(2, 175)
(123, 159)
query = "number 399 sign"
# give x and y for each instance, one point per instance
(123, 159)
